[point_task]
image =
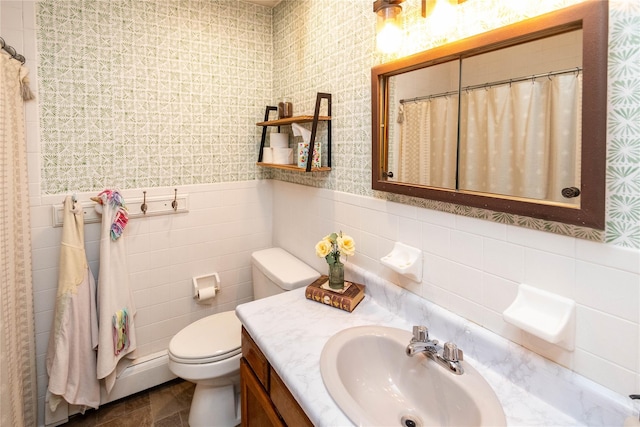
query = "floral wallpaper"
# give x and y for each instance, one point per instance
(153, 93)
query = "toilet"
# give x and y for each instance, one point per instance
(207, 352)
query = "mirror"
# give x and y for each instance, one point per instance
(513, 120)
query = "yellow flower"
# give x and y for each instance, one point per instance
(346, 245)
(323, 247)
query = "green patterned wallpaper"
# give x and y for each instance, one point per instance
(341, 64)
(165, 92)
(151, 93)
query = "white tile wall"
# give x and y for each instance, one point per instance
(473, 267)
(225, 223)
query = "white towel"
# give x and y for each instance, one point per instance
(116, 309)
(71, 358)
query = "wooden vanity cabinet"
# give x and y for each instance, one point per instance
(266, 401)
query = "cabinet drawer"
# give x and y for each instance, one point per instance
(286, 404)
(255, 358)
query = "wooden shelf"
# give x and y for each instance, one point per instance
(293, 168)
(300, 119)
(295, 119)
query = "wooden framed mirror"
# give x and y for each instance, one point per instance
(512, 120)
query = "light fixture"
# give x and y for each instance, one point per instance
(388, 25)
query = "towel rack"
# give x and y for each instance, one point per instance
(158, 205)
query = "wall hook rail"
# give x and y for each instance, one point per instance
(169, 204)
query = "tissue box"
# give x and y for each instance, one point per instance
(303, 153)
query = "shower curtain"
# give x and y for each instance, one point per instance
(428, 141)
(18, 399)
(520, 139)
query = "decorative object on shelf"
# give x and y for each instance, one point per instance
(330, 248)
(345, 299)
(285, 110)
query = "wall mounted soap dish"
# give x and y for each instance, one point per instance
(406, 260)
(543, 314)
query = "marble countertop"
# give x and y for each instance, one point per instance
(291, 331)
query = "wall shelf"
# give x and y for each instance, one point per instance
(294, 119)
(300, 119)
(293, 168)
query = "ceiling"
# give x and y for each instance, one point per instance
(269, 3)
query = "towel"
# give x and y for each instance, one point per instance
(116, 310)
(71, 358)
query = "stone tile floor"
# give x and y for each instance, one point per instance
(166, 405)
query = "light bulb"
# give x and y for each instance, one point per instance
(389, 29)
(442, 18)
(389, 38)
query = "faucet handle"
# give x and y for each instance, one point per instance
(451, 352)
(420, 334)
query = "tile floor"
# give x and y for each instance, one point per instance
(166, 405)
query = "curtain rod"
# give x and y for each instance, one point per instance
(532, 77)
(11, 51)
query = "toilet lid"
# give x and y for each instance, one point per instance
(212, 338)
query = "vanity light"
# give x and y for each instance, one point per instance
(388, 25)
(389, 21)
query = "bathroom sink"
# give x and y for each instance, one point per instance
(374, 382)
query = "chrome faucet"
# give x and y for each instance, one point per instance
(448, 356)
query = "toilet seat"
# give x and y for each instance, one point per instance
(210, 339)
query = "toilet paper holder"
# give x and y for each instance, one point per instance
(207, 281)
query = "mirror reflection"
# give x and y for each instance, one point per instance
(520, 119)
(512, 120)
(423, 125)
(509, 124)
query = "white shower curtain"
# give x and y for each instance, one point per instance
(520, 139)
(428, 138)
(17, 333)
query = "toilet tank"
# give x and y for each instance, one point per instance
(275, 270)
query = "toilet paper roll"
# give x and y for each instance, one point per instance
(205, 294)
(267, 155)
(279, 140)
(283, 156)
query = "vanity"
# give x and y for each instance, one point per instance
(291, 332)
(265, 398)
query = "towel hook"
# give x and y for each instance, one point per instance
(174, 204)
(143, 206)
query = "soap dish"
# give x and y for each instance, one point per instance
(406, 260)
(543, 314)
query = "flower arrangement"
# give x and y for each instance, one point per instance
(330, 248)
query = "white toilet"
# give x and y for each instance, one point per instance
(207, 352)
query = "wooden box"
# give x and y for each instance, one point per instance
(346, 299)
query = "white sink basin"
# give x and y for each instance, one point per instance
(374, 382)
